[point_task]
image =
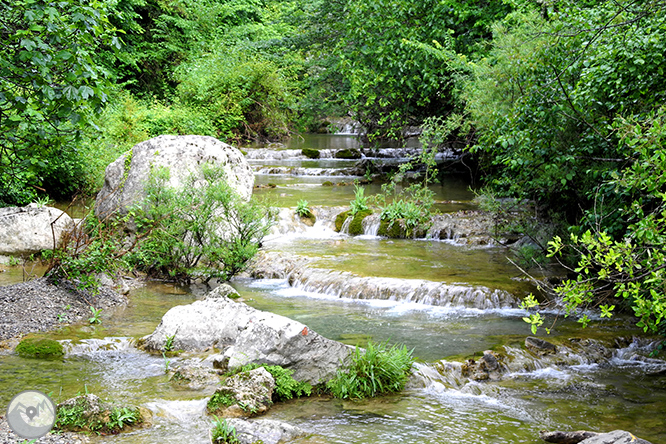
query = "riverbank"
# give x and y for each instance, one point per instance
(38, 305)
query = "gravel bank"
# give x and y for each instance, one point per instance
(9, 437)
(35, 305)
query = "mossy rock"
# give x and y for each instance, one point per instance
(308, 219)
(394, 231)
(356, 225)
(310, 153)
(398, 230)
(340, 220)
(348, 154)
(39, 348)
(328, 183)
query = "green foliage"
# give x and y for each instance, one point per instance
(197, 231)
(412, 204)
(39, 348)
(628, 270)
(246, 97)
(360, 202)
(50, 86)
(374, 371)
(223, 432)
(121, 417)
(388, 80)
(286, 387)
(96, 313)
(544, 100)
(81, 417)
(302, 208)
(220, 400)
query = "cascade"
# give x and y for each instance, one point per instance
(342, 284)
(371, 225)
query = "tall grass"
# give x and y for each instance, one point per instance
(373, 371)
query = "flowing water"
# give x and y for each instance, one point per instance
(618, 388)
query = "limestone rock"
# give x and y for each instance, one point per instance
(264, 430)
(125, 178)
(251, 392)
(615, 437)
(194, 375)
(247, 335)
(27, 230)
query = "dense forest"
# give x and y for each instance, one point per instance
(559, 102)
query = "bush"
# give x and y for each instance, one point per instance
(197, 231)
(372, 372)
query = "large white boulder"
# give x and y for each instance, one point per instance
(247, 335)
(31, 229)
(126, 177)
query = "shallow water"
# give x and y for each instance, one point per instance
(438, 408)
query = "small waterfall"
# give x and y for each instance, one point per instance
(93, 346)
(347, 285)
(371, 225)
(345, 226)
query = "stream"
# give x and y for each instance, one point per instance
(624, 389)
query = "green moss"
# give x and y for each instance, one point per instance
(310, 153)
(39, 348)
(348, 154)
(394, 231)
(328, 183)
(356, 225)
(340, 220)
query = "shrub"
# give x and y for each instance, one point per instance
(197, 231)
(373, 371)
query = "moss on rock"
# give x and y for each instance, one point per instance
(310, 153)
(348, 154)
(39, 348)
(356, 225)
(340, 220)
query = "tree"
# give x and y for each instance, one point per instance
(545, 99)
(50, 85)
(631, 271)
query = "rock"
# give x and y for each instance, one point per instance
(247, 394)
(487, 367)
(614, 437)
(194, 375)
(225, 291)
(566, 437)
(31, 229)
(274, 265)
(264, 430)
(125, 178)
(246, 335)
(539, 346)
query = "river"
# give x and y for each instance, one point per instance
(580, 392)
